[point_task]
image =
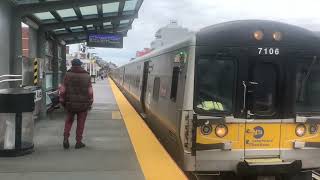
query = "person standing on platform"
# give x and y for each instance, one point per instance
(76, 96)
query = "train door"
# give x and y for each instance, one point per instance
(144, 85)
(262, 128)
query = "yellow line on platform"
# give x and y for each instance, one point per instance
(154, 160)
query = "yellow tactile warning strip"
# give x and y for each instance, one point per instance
(116, 115)
(155, 162)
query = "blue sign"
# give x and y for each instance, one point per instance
(105, 40)
(258, 132)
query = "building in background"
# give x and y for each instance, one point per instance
(170, 34)
(25, 41)
(143, 52)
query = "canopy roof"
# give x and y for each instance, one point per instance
(73, 20)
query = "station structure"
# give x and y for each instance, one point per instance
(33, 55)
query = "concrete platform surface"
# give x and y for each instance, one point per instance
(109, 153)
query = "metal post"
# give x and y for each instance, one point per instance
(18, 135)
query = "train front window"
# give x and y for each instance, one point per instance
(308, 86)
(214, 85)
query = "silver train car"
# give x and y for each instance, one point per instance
(240, 97)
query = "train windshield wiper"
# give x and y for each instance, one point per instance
(304, 81)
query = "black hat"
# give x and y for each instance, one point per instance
(76, 62)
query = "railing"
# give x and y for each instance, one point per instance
(7, 78)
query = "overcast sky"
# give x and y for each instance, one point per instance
(196, 14)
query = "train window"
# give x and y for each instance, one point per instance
(214, 85)
(308, 86)
(156, 88)
(174, 83)
(264, 94)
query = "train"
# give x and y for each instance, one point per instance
(240, 97)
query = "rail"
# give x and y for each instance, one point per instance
(8, 76)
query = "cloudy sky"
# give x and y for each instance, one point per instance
(196, 14)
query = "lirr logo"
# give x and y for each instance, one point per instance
(258, 132)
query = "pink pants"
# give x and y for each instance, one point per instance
(81, 118)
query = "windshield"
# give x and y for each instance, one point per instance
(214, 85)
(308, 86)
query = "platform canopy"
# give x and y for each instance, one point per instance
(73, 20)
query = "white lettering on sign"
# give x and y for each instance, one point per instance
(38, 95)
(269, 51)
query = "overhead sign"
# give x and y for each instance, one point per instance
(105, 40)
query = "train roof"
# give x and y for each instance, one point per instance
(240, 33)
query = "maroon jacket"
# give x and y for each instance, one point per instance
(76, 93)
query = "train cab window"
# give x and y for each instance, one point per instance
(156, 89)
(308, 86)
(214, 85)
(174, 83)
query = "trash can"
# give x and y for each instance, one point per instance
(16, 122)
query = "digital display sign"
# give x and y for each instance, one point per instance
(105, 40)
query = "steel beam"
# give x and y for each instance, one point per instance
(85, 33)
(25, 9)
(84, 22)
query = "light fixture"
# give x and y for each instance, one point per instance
(277, 36)
(258, 35)
(221, 130)
(300, 130)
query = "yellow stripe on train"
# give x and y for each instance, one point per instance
(258, 136)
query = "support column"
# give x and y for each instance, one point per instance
(64, 61)
(55, 65)
(41, 54)
(16, 48)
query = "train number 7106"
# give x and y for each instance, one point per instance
(269, 51)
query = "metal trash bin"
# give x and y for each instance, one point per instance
(16, 122)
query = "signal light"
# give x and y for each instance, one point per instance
(277, 36)
(313, 128)
(258, 35)
(206, 129)
(221, 130)
(300, 130)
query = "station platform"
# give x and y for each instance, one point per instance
(119, 146)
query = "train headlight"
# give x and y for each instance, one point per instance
(277, 36)
(258, 35)
(221, 130)
(300, 130)
(206, 129)
(313, 128)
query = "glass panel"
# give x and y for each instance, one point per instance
(64, 13)
(44, 16)
(7, 133)
(124, 21)
(110, 7)
(130, 5)
(106, 23)
(27, 130)
(214, 85)
(265, 77)
(62, 29)
(89, 26)
(89, 10)
(308, 86)
(76, 27)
